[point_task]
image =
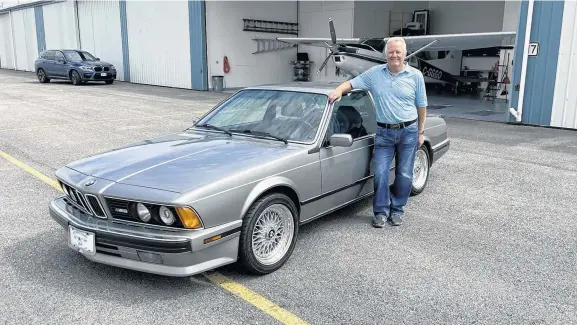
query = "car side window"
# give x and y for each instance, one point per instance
(354, 114)
(59, 56)
(49, 55)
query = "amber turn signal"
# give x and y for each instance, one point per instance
(188, 217)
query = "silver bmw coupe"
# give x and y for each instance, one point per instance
(234, 187)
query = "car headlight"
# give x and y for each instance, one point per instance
(86, 68)
(166, 216)
(143, 212)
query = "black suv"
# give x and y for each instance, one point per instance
(76, 65)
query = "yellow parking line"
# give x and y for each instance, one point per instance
(32, 171)
(255, 299)
(224, 282)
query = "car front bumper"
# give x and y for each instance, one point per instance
(99, 76)
(163, 252)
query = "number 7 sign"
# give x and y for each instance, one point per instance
(533, 49)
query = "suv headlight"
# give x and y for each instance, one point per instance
(87, 68)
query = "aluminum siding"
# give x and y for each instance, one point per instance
(542, 69)
(40, 35)
(100, 31)
(564, 112)
(197, 27)
(60, 26)
(159, 43)
(6, 50)
(25, 41)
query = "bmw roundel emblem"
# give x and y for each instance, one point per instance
(90, 182)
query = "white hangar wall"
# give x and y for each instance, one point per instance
(60, 25)
(466, 16)
(159, 42)
(564, 110)
(25, 43)
(225, 37)
(380, 18)
(6, 49)
(314, 22)
(104, 42)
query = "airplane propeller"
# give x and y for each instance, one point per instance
(330, 46)
(334, 47)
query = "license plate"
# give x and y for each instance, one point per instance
(103, 74)
(82, 241)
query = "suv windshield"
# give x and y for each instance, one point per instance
(286, 115)
(79, 56)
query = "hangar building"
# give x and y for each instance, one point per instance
(184, 44)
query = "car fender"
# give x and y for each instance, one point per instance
(265, 185)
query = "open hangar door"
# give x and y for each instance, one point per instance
(480, 79)
(475, 82)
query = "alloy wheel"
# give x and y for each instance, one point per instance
(272, 234)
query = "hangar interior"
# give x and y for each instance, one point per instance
(191, 44)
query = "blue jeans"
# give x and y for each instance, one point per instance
(388, 142)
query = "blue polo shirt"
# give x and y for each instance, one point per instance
(396, 97)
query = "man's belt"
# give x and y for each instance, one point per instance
(396, 126)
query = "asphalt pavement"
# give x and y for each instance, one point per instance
(491, 240)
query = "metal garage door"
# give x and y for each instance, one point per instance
(6, 52)
(25, 41)
(159, 46)
(99, 24)
(60, 26)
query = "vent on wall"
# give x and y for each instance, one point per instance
(268, 26)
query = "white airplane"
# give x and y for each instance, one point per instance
(355, 55)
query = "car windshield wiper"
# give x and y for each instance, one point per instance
(266, 134)
(210, 126)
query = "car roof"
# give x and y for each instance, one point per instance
(64, 50)
(318, 87)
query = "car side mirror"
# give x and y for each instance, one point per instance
(97, 59)
(341, 140)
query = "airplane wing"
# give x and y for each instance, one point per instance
(455, 42)
(317, 41)
(445, 42)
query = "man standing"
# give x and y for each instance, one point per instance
(401, 100)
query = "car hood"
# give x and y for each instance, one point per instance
(180, 162)
(95, 63)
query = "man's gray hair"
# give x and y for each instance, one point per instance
(396, 39)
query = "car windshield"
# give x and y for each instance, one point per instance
(79, 56)
(285, 115)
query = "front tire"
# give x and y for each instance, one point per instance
(269, 234)
(76, 80)
(420, 170)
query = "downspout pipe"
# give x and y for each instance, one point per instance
(519, 112)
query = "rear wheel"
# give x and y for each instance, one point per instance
(42, 77)
(420, 170)
(269, 234)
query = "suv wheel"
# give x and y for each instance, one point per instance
(75, 78)
(41, 74)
